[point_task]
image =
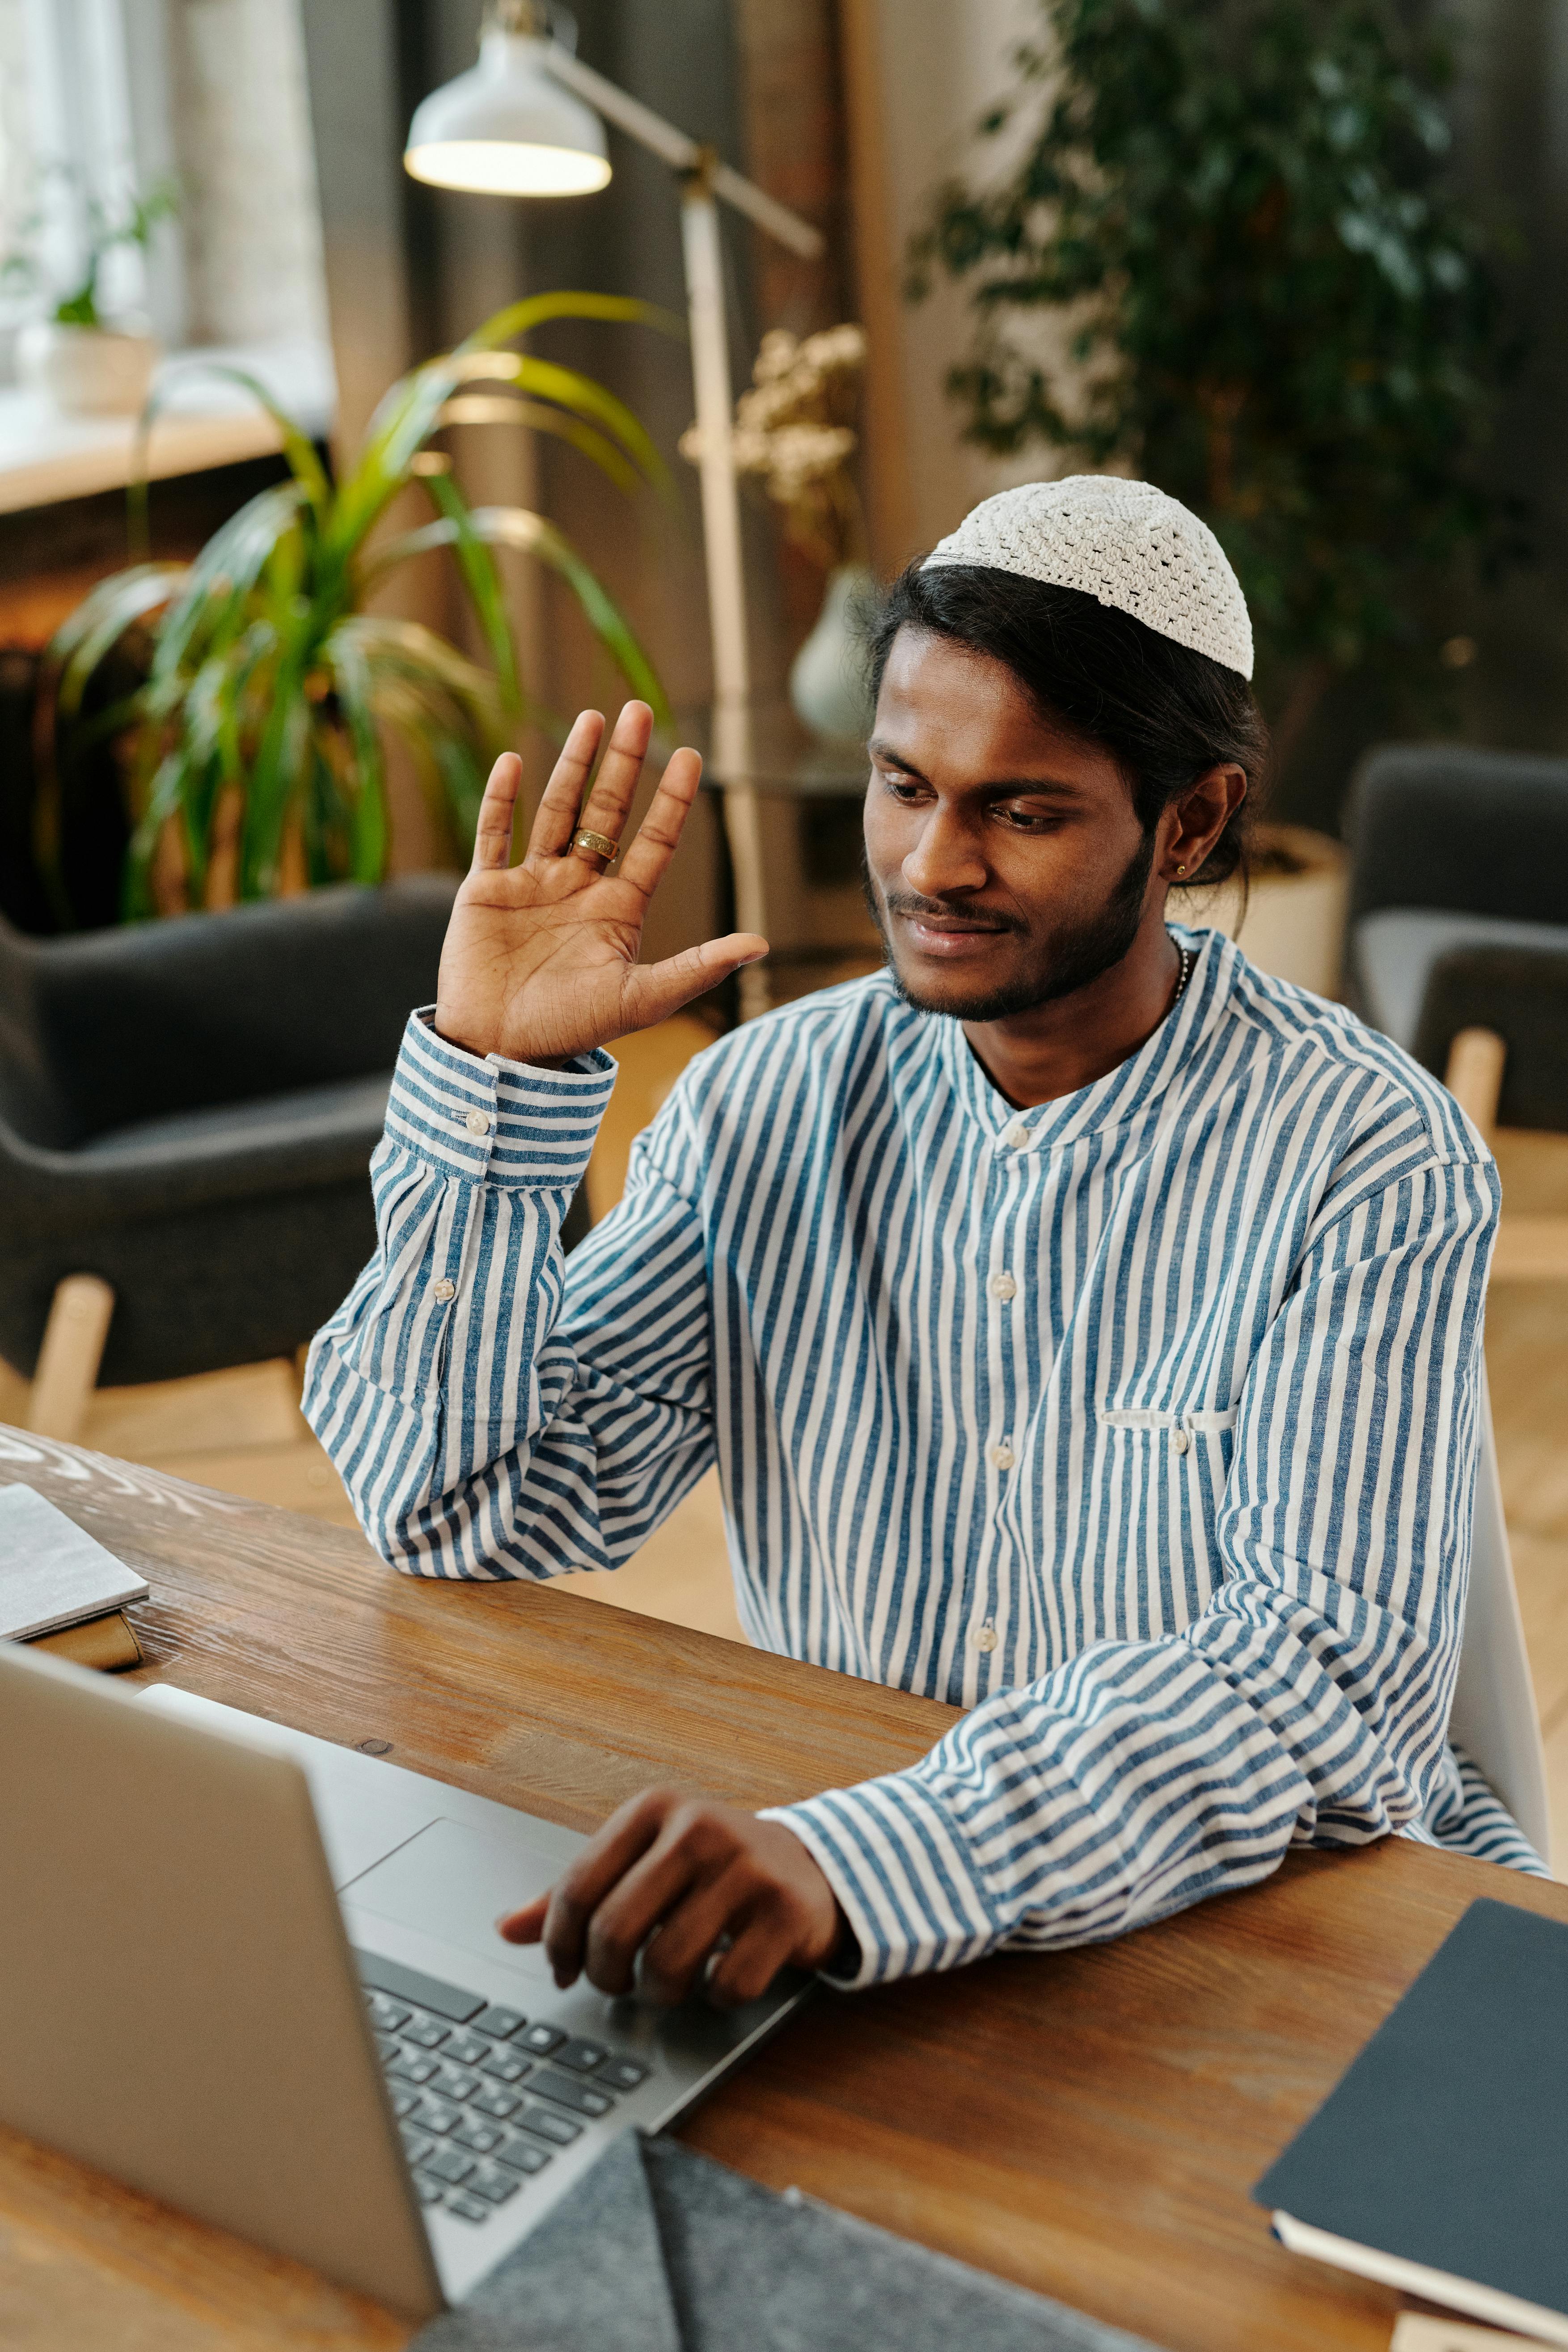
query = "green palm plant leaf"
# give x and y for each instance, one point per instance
(278, 772)
(533, 310)
(101, 620)
(483, 581)
(271, 690)
(219, 582)
(409, 413)
(531, 535)
(579, 395)
(215, 731)
(501, 408)
(345, 658)
(408, 649)
(164, 800)
(297, 447)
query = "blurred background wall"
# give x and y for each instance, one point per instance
(851, 111)
(285, 120)
(1510, 110)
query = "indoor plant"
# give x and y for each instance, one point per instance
(1264, 298)
(257, 732)
(86, 363)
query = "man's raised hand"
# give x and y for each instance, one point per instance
(540, 959)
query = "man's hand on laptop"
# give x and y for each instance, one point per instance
(674, 1878)
(540, 959)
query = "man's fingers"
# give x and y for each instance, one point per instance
(527, 1925)
(608, 803)
(652, 992)
(678, 1872)
(557, 818)
(648, 856)
(608, 1856)
(746, 1971)
(690, 1927)
(492, 833)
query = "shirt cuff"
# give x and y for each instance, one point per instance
(492, 1121)
(904, 1880)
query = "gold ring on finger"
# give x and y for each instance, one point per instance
(595, 845)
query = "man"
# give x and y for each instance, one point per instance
(1086, 1327)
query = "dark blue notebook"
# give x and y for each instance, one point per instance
(1439, 2161)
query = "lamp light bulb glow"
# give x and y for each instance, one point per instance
(507, 167)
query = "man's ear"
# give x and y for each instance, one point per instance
(1200, 816)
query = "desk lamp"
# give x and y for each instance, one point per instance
(529, 121)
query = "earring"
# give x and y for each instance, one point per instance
(1180, 871)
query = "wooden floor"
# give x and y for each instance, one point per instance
(241, 1430)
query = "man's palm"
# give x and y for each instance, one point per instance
(540, 959)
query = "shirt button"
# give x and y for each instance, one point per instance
(1004, 1286)
(443, 1290)
(477, 1122)
(1180, 1441)
(1002, 1455)
(1016, 1138)
(986, 1636)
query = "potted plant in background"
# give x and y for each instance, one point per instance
(1229, 216)
(254, 743)
(794, 433)
(85, 364)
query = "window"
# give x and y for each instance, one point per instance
(109, 96)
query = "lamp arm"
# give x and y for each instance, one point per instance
(680, 153)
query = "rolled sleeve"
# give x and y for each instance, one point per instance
(902, 1874)
(478, 1431)
(495, 1121)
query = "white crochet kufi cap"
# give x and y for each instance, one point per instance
(1125, 543)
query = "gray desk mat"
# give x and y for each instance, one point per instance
(657, 2250)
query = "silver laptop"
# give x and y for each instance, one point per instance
(257, 1976)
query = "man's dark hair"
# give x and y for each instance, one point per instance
(1163, 713)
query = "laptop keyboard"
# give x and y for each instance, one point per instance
(483, 2098)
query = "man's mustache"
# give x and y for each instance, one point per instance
(904, 902)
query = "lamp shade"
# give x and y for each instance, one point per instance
(508, 128)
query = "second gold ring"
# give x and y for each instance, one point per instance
(595, 845)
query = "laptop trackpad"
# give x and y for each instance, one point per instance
(455, 1883)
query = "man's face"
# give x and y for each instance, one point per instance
(1005, 862)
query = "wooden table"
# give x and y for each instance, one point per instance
(1086, 2124)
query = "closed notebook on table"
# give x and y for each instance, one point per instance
(1439, 2161)
(52, 1572)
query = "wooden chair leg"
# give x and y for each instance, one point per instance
(1474, 1076)
(70, 1356)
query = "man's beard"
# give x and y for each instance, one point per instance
(1069, 960)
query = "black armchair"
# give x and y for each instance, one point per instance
(1458, 944)
(187, 1110)
(1462, 853)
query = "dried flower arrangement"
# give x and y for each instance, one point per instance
(794, 432)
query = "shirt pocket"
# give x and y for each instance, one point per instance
(1184, 1427)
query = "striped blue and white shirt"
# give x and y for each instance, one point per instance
(1141, 1425)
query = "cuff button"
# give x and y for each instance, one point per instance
(479, 1122)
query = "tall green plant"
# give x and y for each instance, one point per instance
(270, 689)
(1266, 298)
